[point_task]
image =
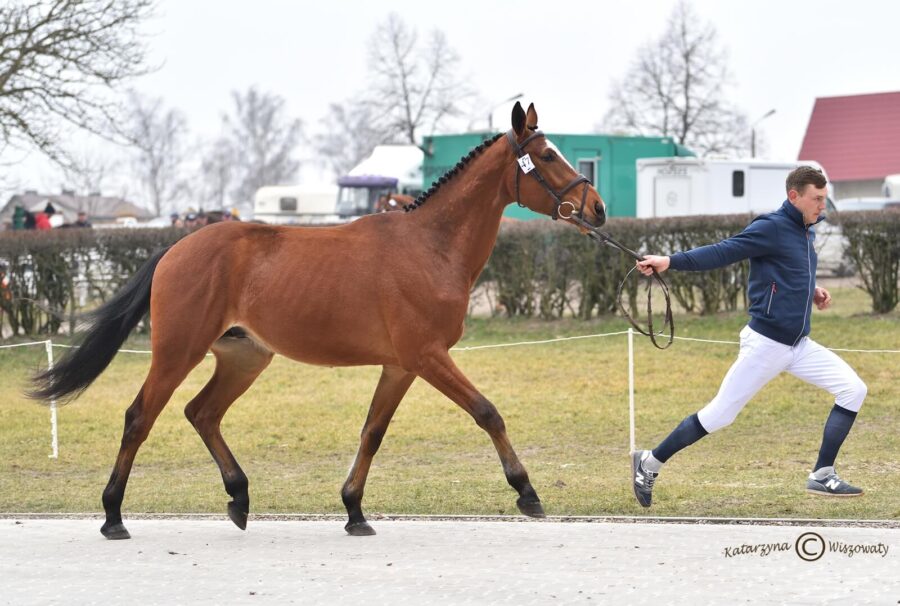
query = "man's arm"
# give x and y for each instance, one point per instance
(758, 238)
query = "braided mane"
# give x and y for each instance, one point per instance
(435, 186)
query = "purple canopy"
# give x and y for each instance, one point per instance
(367, 181)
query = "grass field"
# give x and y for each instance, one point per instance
(566, 409)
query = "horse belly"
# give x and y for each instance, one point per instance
(318, 334)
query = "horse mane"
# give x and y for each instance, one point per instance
(436, 185)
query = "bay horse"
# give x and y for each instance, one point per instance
(248, 291)
(392, 202)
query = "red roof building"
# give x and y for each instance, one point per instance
(857, 140)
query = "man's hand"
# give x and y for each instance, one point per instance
(651, 262)
(822, 298)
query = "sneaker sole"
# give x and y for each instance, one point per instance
(820, 493)
(635, 460)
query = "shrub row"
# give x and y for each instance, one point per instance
(873, 246)
(547, 269)
(50, 276)
(538, 269)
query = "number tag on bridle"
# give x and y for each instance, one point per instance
(526, 164)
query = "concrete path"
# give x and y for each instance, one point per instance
(445, 562)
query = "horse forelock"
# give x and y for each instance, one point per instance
(447, 176)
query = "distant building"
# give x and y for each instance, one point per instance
(857, 139)
(101, 210)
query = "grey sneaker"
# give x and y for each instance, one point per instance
(831, 486)
(641, 479)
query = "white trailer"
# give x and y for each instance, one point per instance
(296, 204)
(682, 186)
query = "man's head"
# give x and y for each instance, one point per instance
(806, 191)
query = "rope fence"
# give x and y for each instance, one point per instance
(54, 429)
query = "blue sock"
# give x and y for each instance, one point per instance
(688, 431)
(836, 429)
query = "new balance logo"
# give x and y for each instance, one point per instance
(639, 480)
(833, 484)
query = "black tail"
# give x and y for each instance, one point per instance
(106, 327)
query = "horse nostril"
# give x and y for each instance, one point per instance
(600, 212)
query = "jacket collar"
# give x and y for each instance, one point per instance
(795, 215)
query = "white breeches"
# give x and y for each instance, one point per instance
(761, 359)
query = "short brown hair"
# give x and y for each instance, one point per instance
(802, 176)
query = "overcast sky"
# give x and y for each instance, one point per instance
(562, 55)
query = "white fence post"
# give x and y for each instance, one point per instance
(54, 430)
(631, 386)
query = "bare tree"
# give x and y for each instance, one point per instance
(350, 135)
(88, 173)
(415, 88)
(158, 136)
(676, 88)
(217, 170)
(59, 60)
(264, 141)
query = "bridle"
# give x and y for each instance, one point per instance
(527, 166)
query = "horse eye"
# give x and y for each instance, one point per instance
(548, 157)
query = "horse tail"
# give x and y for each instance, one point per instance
(106, 328)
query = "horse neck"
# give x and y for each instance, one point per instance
(463, 216)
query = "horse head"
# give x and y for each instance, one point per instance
(544, 181)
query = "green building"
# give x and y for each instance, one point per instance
(608, 161)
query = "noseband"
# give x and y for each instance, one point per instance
(528, 167)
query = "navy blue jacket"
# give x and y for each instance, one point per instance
(782, 270)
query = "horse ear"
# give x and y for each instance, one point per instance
(518, 118)
(532, 120)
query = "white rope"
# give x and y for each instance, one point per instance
(498, 345)
(543, 342)
(22, 344)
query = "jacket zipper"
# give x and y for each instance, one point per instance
(771, 296)
(808, 292)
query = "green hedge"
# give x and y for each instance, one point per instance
(52, 275)
(539, 268)
(545, 269)
(873, 239)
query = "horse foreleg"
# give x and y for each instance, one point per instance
(239, 361)
(392, 386)
(441, 372)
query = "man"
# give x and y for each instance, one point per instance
(82, 220)
(781, 290)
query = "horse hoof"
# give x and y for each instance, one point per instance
(533, 509)
(115, 532)
(359, 529)
(237, 515)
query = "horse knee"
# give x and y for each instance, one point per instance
(487, 417)
(371, 440)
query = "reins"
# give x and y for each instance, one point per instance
(577, 216)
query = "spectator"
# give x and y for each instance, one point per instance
(82, 220)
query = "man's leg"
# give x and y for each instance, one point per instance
(823, 368)
(760, 360)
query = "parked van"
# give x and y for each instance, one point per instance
(388, 169)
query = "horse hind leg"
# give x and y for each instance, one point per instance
(158, 387)
(239, 361)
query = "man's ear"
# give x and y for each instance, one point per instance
(518, 119)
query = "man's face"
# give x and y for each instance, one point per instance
(810, 202)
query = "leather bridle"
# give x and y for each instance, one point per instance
(527, 166)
